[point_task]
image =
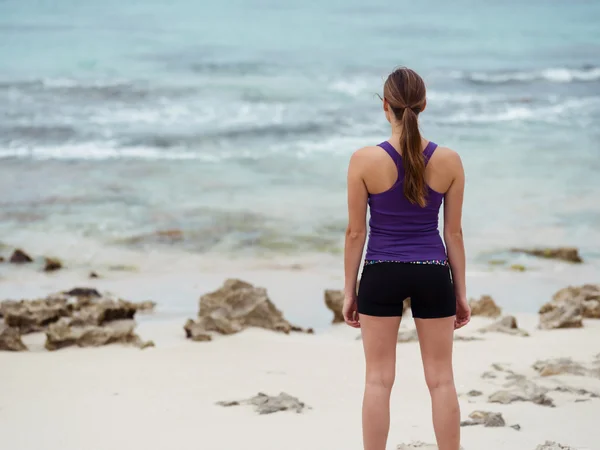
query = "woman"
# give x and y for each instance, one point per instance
(404, 181)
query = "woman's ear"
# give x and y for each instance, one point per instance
(386, 106)
(424, 105)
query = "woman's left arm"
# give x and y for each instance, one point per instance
(356, 235)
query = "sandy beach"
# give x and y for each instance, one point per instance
(118, 397)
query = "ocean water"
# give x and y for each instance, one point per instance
(232, 122)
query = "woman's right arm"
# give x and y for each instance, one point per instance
(453, 236)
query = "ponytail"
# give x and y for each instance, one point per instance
(404, 91)
(414, 161)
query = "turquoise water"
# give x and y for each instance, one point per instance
(234, 121)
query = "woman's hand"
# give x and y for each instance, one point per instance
(350, 311)
(463, 314)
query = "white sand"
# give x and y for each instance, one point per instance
(117, 398)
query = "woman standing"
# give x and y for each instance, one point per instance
(404, 180)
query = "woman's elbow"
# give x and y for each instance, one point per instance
(453, 234)
(355, 233)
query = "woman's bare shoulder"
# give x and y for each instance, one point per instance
(448, 156)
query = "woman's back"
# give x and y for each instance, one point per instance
(401, 230)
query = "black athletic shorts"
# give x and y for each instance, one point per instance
(384, 286)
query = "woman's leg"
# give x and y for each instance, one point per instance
(436, 338)
(380, 337)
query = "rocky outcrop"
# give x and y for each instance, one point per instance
(587, 297)
(485, 418)
(507, 324)
(29, 316)
(52, 264)
(569, 254)
(485, 306)
(334, 300)
(570, 306)
(234, 307)
(518, 389)
(10, 339)
(62, 334)
(196, 332)
(83, 306)
(265, 404)
(564, 366)
(20, 257)
(550, 445)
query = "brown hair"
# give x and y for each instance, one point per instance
(404, 91)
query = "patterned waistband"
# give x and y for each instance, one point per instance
(438, 262)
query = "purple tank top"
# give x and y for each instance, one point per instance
(399, 230)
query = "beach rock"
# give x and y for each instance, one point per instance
(559, 366)
(20, 257)
(52, 264)
(103, 310)
(94, 275)
(61, 334)
(569, 254)
(516, 426)
(83, 292)
(10, 339)
(485, 418)
(587, 297)
(548, 445)
(474, 393)
(485, 306)
(519, 389)
(334, 300)
(29, 316)
(238, 305)
(265, 404)
(561, 314)
(146, 306)
(508, 325)
(196, 332)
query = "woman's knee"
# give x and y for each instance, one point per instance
(382, 377)
(437, 379)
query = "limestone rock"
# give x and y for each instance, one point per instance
(10, 339)
(334, 300)
(29, 316)
(474, 393)
(586, 296)
(548, 445)
(561, 314)
(62, 334)
(83, 292)
(508, 324)
(52, 264)
(146, 306)
(570, 254)
(196, 332)
(265, 404)
(519, 389)
(485, 306)
(238, 305)
(20, 257)
(559, 366)
(485, 418)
